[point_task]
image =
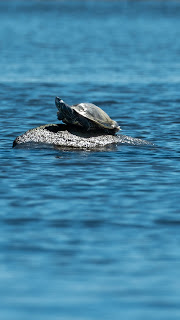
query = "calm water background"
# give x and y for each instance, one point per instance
(90, 235)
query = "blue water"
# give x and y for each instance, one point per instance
(90, 235)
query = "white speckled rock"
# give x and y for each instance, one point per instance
(65, 136)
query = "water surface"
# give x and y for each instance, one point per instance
(90, 235)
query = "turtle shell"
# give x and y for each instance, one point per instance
(96, 115)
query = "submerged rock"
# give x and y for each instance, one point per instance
(68, 136)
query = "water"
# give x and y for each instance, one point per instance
(90, 235)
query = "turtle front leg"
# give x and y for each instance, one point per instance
(66, 114)
(85, 123)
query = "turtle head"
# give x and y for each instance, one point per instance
(64, 109)
(60, 104)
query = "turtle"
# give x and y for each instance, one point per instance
(86, 115)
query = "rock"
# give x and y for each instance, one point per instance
(68, 136)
